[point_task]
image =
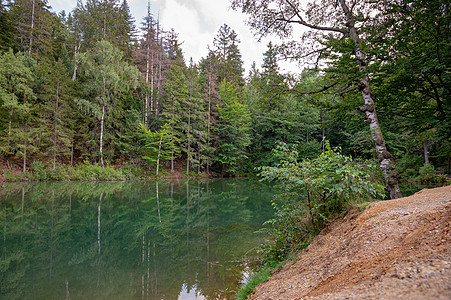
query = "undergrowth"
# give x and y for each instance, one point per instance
(81, 172)
(312, 192)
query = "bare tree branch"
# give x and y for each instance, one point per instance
(302, 22)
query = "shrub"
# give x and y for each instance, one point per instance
(311, 192)
(38, 171)
(59, 173)
(427, 175)
(88, 172)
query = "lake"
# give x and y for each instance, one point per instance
(130, 240)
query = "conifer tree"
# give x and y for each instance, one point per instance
(16, 93)
(7, 29)
(176, 94)
(150, 58)
(55, 122)
(208, 82)
(229, 63)
(233, 128)
(33, 21)
(103, 20)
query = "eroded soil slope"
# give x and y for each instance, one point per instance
(397, 249)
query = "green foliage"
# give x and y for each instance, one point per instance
(428, 175)
(289, 231)
(16, 86)
(229, 65)
(89, 172)
(106, 78)
(159, 145)
(312, 191)
(39, 172)
(233, 129)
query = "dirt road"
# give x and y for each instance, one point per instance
(397, 249)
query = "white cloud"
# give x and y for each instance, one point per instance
(197, 23)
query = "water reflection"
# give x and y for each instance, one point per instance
(129, 240)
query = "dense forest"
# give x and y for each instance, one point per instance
(90, 87)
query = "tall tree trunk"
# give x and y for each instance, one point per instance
(24, 171)
(158, 156)
(102, 123)
(426, 152)
(210, 80)
(54, 126)
(9, 127)
(152, 81)
(386, 162)
(101, 135)
(189, 142)
(76, 48)
(32, 25)
(72, 153)
(146, 103)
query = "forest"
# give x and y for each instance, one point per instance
(90, 88)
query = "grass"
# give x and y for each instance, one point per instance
(258, 277)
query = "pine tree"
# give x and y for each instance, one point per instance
(229, 62)
(208, 81)
(271, 83)
(16, 91)
(7, 29)
(176, 94)
(150, 58)
(197, 122)
(33, 22)
(233, 129)
(103, 20)
(55, 122)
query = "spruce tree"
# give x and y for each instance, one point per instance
(229, 63)
(17, 78)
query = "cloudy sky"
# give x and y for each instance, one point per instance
(197, 23)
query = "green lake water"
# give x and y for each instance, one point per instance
(129, 240)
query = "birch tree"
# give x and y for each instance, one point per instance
(106, 77)
(332, 31)
(158, 145)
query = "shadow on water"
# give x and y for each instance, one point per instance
(129, 240)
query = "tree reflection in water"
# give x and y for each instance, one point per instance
(129, 240)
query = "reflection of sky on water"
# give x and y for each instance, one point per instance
(191, 295)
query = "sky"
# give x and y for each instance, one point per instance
(197, 22)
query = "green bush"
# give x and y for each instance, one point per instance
(311, 192)
(427, 175)
(87, 172)
(38, 171)
(288, 232)
(254, 280)
(59, 173)
(408, 165)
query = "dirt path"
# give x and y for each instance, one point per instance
(397, 249)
